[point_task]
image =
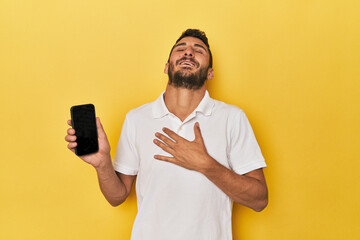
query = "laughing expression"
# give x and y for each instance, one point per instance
(189, 64)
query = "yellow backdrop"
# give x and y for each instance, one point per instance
(293, 66)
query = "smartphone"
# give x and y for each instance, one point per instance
(84, 122)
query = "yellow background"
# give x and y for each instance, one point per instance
(293, 66)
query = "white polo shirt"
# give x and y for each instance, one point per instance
(175, 203)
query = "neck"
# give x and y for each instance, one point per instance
(181, 102)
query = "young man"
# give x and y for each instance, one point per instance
(192, 155)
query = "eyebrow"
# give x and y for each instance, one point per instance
(184, 44)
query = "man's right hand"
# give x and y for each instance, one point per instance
(115, 186)
(99, 159)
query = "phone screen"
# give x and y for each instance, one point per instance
(84, 122)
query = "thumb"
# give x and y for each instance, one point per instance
(197, 131)
(100, 129)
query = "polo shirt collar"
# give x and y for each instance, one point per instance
(205, 107)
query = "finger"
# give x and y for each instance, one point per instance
(100, 129)
(165, 139)
(69, 122)
(71, 131)
(70, 138)
(197, 131)
(172, 134)
(164, 147)
(72, 146)
(165, 159)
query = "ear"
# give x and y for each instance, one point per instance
(166, 68)
(210, 74)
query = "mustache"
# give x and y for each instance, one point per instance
(188, 59)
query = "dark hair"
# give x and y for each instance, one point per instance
(196, 33)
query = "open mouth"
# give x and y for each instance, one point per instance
(187, 63)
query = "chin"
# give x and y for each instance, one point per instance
(186, 72)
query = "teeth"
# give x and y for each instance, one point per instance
(187, 63)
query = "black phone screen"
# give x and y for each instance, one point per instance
(84, 122)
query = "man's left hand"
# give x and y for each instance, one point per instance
(188, 154)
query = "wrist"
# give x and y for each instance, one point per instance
(210, 166)
(103, 163)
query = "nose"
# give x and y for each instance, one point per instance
(189, 52)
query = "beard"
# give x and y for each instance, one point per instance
(184, 79)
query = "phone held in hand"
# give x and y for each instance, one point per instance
(84, 122)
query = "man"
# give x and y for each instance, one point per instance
(192, 155)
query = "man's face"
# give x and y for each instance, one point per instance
(188, 66)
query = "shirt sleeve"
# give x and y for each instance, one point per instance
(126, 159)
(245, 154)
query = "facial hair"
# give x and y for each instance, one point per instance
(182, 79)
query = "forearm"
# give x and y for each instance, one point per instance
(112, 187)
(245, 190)
(249, 190)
